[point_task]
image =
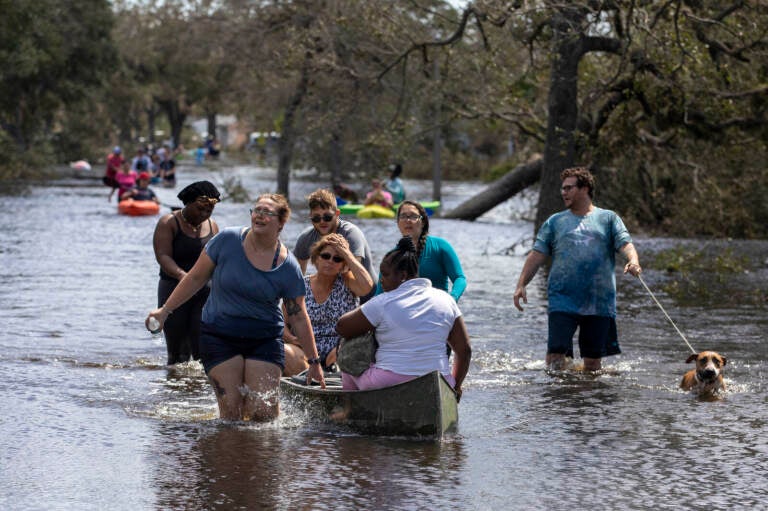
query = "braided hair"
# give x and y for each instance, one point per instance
(422, 242)
(404, 258)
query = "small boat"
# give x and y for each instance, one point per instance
(132, 207)
(375, 211)
(80, 165)
(425, 406)
(352, 209)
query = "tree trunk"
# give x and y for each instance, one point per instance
(513, 182)
(562, 110)
(151, 112)
(335, 157)
(176, 118)
(437, 142)
(288, 135)
(210, 117)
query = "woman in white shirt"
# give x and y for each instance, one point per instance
(413, 321)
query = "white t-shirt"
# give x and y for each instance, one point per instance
(412, 325)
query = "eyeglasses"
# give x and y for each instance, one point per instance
(411, 218)
(263, 212)
(336, 259)
(325, 218)
(568, 188)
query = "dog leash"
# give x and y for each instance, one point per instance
(665, 313)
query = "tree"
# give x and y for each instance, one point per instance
(629, 65)
(53, 55)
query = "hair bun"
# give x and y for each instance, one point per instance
(406, 244)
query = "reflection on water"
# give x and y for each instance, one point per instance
(92, 418)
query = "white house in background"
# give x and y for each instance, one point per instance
(229, 131)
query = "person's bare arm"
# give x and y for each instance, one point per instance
(191, 283)
(353, 323)
(162, 242)
(633, 263)
(532, 264)
(296, 310)
(458, 339)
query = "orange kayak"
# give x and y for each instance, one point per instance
(132, 207)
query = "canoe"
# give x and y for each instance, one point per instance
(375, 211)
(132, 207)
(425, 406)
(352, 209)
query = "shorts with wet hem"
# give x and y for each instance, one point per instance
(216, 348)
(598, 336)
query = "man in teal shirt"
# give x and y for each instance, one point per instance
(582, 242)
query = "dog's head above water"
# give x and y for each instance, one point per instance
(707, 378)
(709, 365)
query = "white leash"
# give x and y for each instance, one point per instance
(665, 313)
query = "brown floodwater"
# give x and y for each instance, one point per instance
(93, 419)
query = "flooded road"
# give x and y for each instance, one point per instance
(93, 419)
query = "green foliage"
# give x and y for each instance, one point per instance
(53, 55)
(694, 274)
(672, 117)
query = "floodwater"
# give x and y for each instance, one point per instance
(92, 419)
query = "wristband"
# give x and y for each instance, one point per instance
(313, 361)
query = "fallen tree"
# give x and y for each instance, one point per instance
(514, 181)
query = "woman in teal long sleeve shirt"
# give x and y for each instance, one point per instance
(437, 259)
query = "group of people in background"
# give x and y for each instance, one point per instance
(126, 177)
(261, 317)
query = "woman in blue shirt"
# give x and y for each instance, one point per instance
(241, 344)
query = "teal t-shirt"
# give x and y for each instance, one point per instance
(245, 301)
(583, 249)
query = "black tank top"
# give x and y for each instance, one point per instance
(186, 249)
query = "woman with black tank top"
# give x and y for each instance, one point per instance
(179, 239)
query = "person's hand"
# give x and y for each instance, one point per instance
(459, 392)
(520, 293)
(159, 315)
(315, 373)
(633, 269)
(336, 243)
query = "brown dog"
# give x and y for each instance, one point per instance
(707, 378)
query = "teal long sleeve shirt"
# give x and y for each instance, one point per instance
(440, 264)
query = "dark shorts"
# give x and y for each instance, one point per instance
(216, 348)
(597, 335)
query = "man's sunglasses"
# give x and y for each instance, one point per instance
(336, 259)
(325, 218)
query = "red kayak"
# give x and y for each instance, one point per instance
(132, 207)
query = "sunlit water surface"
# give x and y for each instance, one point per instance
(92, 419)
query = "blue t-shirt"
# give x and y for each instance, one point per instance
(440, 264)
(245, 301)
(582, 279)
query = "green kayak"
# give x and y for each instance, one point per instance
(352, 209)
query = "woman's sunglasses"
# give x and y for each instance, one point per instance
(336, 259)
(325, 218)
